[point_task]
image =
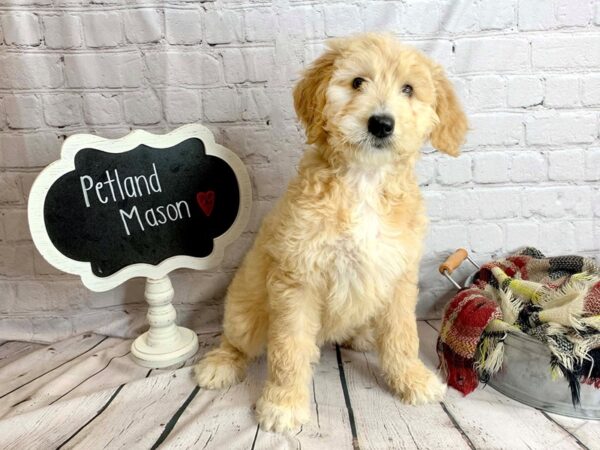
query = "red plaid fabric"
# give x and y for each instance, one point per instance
(465, 319)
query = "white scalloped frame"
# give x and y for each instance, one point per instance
(66, 163)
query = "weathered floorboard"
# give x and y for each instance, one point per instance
(383, 421)
(42, 361)
(32, 385)
(138, 414)
(12, 350)
(226, 419)
(88, 393)
(48, 427)
(69, 380)
(587, 431)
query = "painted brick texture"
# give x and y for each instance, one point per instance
(527, 72)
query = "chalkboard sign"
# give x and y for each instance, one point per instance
(143, 205)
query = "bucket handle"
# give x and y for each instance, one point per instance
(453, 262)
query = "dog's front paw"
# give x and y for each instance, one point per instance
(418, 386)
(280, 418)
(430, 390)
(218, 370)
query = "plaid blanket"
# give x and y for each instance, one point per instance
(555, 300)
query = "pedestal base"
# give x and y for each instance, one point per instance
(165, 354)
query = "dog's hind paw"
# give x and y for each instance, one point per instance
(279, 418)
(219, 370)
(359, 343)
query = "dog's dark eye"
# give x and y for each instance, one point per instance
(357, 82)
(407, 89)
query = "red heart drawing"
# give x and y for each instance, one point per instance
(206, 201)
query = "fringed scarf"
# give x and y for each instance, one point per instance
(555, 300)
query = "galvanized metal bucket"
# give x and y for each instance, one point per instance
(525, 374)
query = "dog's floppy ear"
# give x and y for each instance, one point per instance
(449, 133)
(310, 94)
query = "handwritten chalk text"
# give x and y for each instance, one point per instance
(154, 217)
(119, 189)
(114, 188)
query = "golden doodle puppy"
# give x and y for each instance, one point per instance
(337, 259)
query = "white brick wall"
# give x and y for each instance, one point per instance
(527, 71)
(184, 27)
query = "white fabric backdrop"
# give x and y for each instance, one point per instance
(527, 72)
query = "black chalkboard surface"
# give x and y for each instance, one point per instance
(150, 204)
(138, 205)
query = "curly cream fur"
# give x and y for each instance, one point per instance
(337, 259)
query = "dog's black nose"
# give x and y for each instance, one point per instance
(381, 126)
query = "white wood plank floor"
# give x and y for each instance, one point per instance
(87, 393)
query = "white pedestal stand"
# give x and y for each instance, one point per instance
(164, 344)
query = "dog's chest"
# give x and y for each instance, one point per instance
(368, 252)
(364, 233)
(367, 239)
(363, 209)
